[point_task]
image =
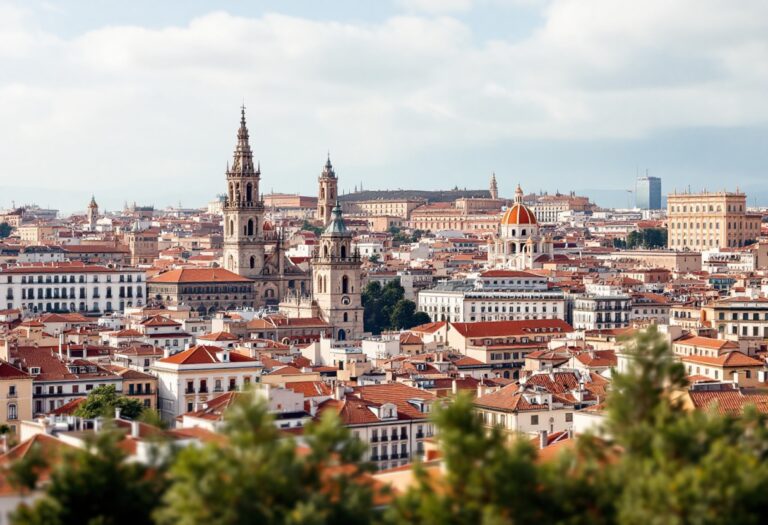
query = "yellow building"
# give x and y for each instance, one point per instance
(702, 221)
(15, 396)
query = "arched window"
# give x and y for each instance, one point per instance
(325, 251)
(250, 227)
(248, 192)
(322, 193)
(343, 252)
(253, 262)
(346, 317)
(231, 263)
(345, 284)
(342, 335)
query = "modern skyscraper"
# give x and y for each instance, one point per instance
(648, 193)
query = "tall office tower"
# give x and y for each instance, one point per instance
(648, 193)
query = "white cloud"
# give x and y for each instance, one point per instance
(126, 106)
(435, 6)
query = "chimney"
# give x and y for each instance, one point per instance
(135, 429)
(166, 352)
(543, 438)
(61, 345)
(339, 392)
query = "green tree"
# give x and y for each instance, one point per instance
(5, 230)
(404, 315)
(96, 486)
(258, 476)
(103, 400)
(309, 227)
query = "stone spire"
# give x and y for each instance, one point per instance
(494, 187)
(243, 157)
(328, 168)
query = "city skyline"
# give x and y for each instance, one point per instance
(110, 99)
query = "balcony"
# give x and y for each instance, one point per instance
(13, 394)
(403, 436)
(419, 435)
(384, 457)
(394, 456)
(385, 438)
(203, 390)
(374, 439)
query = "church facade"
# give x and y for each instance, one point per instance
(518, 243)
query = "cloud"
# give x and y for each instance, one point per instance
(123, 107)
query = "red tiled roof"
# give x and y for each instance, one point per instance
(198, 275)
(200, 354)
(728, 359)
(510, 328)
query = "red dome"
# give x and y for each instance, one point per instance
(518, 214)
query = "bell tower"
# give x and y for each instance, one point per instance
(244, 246)
(494, 187)
(93, 213)
(336, 277)
(327, 193)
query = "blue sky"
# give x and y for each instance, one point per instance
(140, 100)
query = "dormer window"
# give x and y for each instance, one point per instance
(35, 370)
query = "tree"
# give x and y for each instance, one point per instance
(102, 402)
(404, 315)
(5, 230)
(96, 486)
(647, 238)
(258, 476)
(375, 258)
(308, 226)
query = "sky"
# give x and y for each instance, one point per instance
(139, 101)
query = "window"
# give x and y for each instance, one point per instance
(534, 419)
(569, 417)
(12, 412)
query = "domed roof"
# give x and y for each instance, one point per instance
(518, 214)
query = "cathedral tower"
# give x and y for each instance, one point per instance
(494, 187)
(244, 246)
(93, 213)
(328, 192)
(336, 275)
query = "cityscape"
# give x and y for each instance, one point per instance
(307, 349)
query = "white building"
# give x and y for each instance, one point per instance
(71, 287)
(188, 379)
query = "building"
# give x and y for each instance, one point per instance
(206, 290)
(671, 260)
(648, 193)
(247, 236)
(143, 245)
(189, 379)
(327, 193)
(15, 396)
(504, 345)
(738, 318)
(548, 208)
(71, 287)
(392, 419)
(494, 187)
(401, 208)
(92, 214)
(482, 300)
(601, 312)
(517, 243)
(336, 283)
(702, 221)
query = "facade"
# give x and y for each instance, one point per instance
(703, 221)
(203, 289)
(494, 187)
(739, 318)
(602, 312)
(327, 193)
(15, 396)
(463, 301)
(252, 247)
(518, 244)
(190, 378)
(547, 208)
(392, 419)
(143, 246)
(671, 260)
(71, 287)
(336, 283)
(648, 193)
(401, 208)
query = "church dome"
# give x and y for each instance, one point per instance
(518, 214)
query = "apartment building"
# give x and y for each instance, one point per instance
(702, 221)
